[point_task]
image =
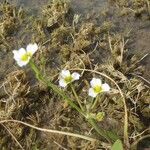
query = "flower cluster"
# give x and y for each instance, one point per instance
(23, 56)
(96, 84)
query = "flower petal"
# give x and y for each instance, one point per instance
(22, 51)
(92, 92)
(62, 83)
(105, 87)
(65, 73)
(22, 63)
(95, 82)
(32, 48)
(75, 76)
(16, 55)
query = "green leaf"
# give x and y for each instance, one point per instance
(117, 145)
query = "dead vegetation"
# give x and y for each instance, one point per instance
(67, 40)
(140, 8)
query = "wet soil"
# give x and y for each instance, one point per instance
(98, 11)
(43, 108)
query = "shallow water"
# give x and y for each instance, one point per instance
(92, 9)
(96, 11)
(138, 44)
(84, 6)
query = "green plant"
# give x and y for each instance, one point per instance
(65, 79)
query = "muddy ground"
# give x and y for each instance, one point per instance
(112, 37)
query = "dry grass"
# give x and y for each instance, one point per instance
(94, 50)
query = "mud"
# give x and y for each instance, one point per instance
(112, 37)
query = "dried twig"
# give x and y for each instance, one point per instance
(50, 130)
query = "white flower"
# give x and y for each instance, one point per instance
(66, 78)
(23, 56)
(97, 87)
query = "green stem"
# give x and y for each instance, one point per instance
(95, 102)
(36, 70)
(106, 134)
(54, 87)
(101, 132)
(66, 98)
(109, 136)
(76, 96)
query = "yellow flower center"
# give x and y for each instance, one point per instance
(97, 89)
(68, 79)
(26, 56)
